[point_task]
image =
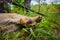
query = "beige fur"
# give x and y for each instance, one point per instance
(14, 18)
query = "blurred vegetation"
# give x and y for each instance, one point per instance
(47, 29)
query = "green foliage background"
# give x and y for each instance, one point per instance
(47, 29)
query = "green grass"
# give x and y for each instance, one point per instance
(45, 30)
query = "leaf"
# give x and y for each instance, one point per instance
(32, 32)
